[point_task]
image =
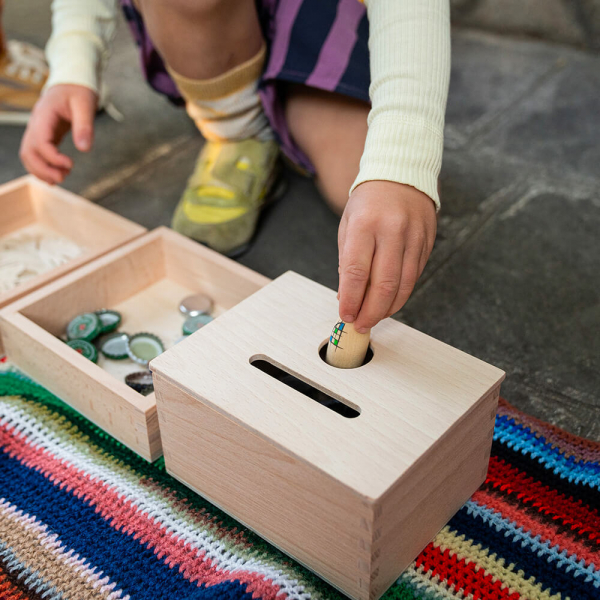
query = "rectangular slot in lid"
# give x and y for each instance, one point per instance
(322, 397)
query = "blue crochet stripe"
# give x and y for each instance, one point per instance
(590, 573)
(132, 566)
(552, 577)
(523, 440)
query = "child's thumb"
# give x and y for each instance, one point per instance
(83, 110)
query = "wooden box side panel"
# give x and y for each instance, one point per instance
(429, 495)
(297, 508)
(100, 284)
(87, 224)
(16, 206)
(128, 416)
(216, 275)
(96, 230)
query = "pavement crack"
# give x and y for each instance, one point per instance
(103, 187)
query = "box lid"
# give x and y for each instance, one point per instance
(409, 395)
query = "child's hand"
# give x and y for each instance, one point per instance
(61, 107)
(385, 238)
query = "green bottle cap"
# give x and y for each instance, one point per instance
(84, 327)
(140, 381)
(114, 345)
(84, 348)
(143, 347)
(109, 320)
(192, 324)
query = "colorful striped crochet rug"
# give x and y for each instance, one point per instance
(82, 517)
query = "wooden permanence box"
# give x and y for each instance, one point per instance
(28, 204)
(145, 280)
(354, 499)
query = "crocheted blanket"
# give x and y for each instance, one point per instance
(83, 517)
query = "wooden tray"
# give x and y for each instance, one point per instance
(27, 202)
(354, 499)
(145, 280)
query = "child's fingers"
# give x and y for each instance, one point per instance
(49, 152)
(341, 242)
(355, 267)
(36, 165)
(386, 274)
(410, 274)
(83, 110)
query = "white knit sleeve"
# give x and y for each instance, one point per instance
(78, 48)
(409, 44)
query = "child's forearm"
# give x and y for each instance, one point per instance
(79, 45)
(409, 43)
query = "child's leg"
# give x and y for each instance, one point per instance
(214, 52)
(331, 130)
(202, 39)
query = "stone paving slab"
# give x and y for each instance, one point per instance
(568, 21)
(558, 124)
(524, 294)
(473, 187)
(490, 75)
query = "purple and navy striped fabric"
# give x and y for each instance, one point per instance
(318, 43)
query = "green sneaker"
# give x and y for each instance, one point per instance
(231, 183)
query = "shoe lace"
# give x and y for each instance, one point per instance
(26, 62)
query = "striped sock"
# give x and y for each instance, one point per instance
(227, 107)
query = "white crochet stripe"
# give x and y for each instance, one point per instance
(68, 557)
(125, 484)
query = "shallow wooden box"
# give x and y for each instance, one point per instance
(353, 499)
(27, 202)
(145, 280)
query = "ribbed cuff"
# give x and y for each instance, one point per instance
(74, 59)
(408, 152)
(219, 87)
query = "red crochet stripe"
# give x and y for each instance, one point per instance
(127, 518)
(569, 511)
(535, 527)
(7, 589)
(465, 576)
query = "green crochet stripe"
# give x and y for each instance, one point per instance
(400, 592)
(15, 384)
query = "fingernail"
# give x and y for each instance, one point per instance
(362, 330)
(83, 143)
(348, 318)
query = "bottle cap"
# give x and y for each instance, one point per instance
(84, 348)
(196, 304)
(109, 320)
(143, 347)
(192, 324)
(84, 327)
(114, 345)
(140, 381)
